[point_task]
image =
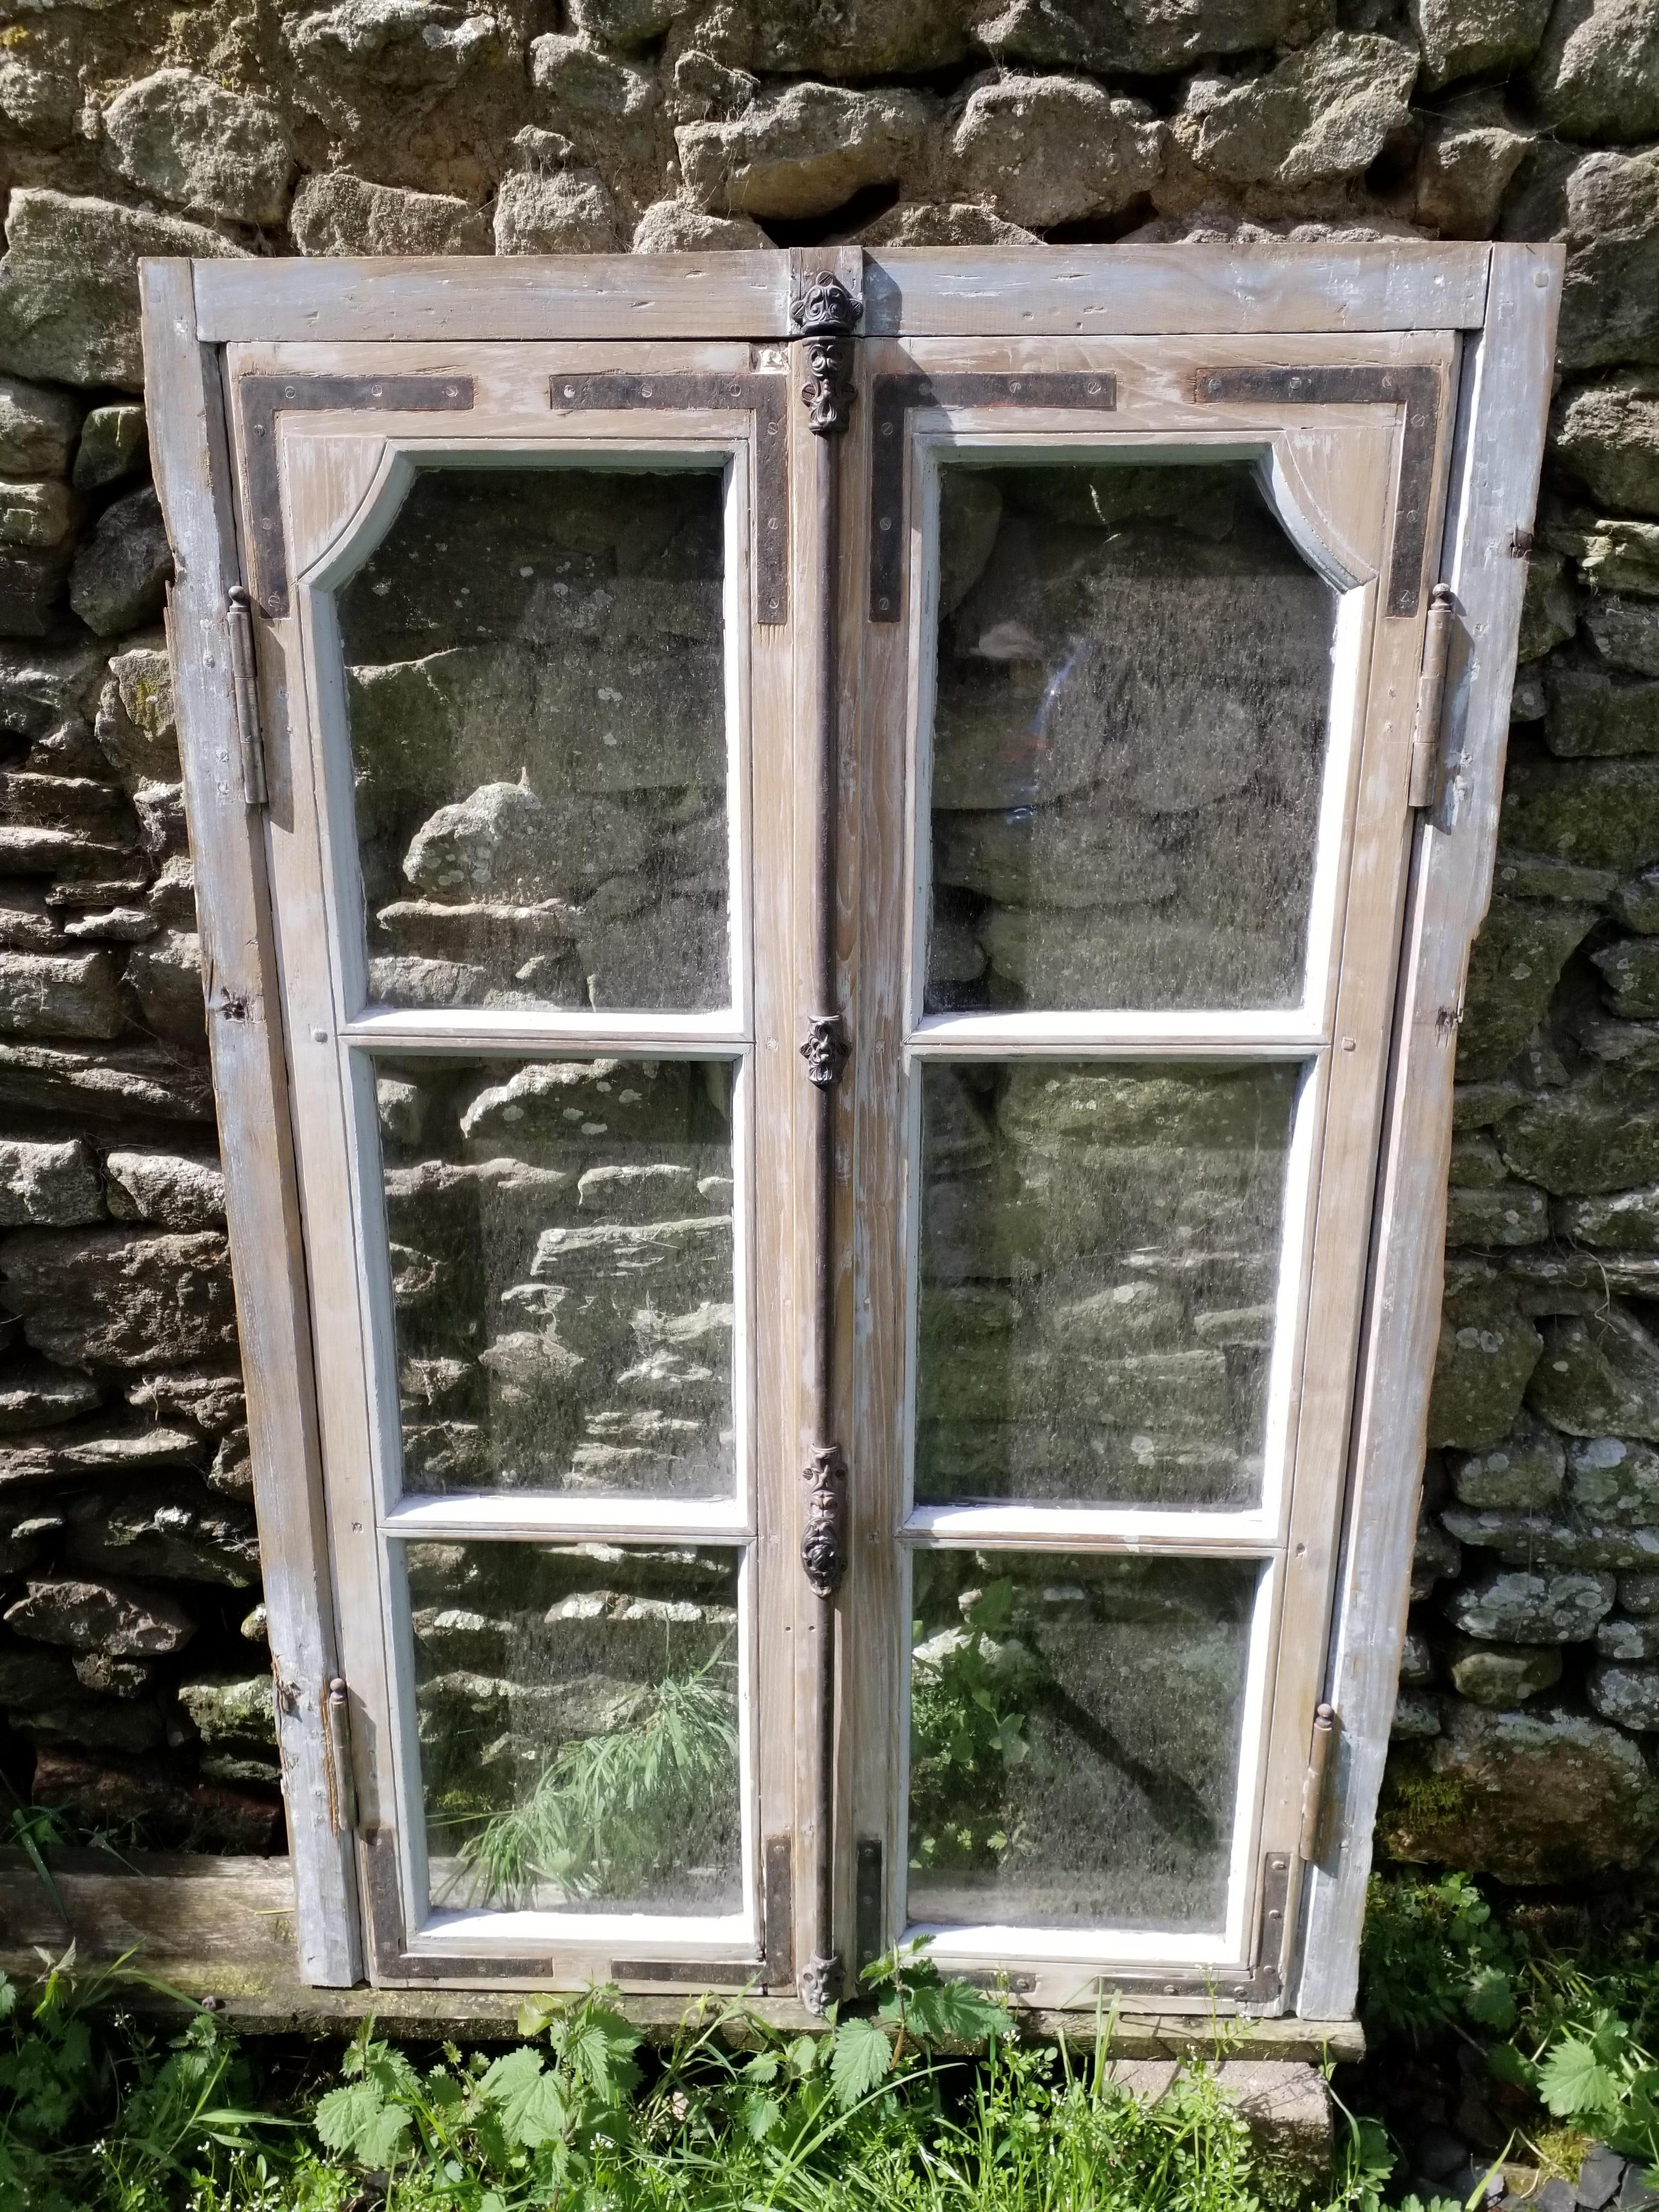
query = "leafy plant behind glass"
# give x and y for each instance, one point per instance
(966, 1734)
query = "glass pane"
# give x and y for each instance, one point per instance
(578, 1724)
(537, 702)
(561, 1273)
(1075, 1724)
(1099, 1257)
(1133, 668)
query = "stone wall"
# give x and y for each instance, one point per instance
(131, 1645)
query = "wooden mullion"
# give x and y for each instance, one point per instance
(193, 478)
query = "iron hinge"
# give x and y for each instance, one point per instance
(1316, 1786)
(336, 1748)
(245, 694)
(1427, 740)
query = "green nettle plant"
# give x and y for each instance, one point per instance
(615, 1814)
(967, 1736)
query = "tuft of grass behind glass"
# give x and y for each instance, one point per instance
(613, 1814)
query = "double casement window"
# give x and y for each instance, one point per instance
(834, 890)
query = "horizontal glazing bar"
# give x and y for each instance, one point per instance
(512, 1514)
(1037, 1528)
(663, 1036)
(1042, 1037)
(1065, 1947)
(656, 1935)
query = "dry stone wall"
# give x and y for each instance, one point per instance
(130, 1657)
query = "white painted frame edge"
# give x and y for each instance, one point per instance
(1097, 291)
(189, 444)
(1502, 405)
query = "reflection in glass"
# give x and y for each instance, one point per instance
(1134, 667)
(1075, 1725)
(1098, 1264)
(578, 1724)
(536, 703)
(561, 1273)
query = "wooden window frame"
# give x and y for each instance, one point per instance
(1497, 307)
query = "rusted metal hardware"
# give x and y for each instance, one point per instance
(763, 395)
(1431, 698)
(825, 1049)
(825, 314)
(262, 398)
(892, 399)
(337, 1735)
(1415, 389)
(869, 1903)
(1316, 1785)
(245, 694)
(824, 1541)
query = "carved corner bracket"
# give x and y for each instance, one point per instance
(825, 314)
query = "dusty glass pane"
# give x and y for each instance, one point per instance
(536, 703)
(1133, 668)
(561, 1273)
(1098, 1262)
(578, 1721)
(1075, 1724)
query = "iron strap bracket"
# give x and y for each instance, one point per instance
(262, 398)
(740, 392)
(891, 400)
(1417, 390)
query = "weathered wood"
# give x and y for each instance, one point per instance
(563, 295)
(221, 1927)
(192, 476)
(1495, 479)
(1155, 290)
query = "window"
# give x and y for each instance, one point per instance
(836, 890)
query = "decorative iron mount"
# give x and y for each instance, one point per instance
(823, 1543)
(825, 1051)
(825, 315)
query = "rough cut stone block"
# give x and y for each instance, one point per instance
(1325, 112)
(1607, 435)
(571, 211)
(179, 1532)
(1165, 34)
(40, 1395)
(674, 226)
(1595, 714)
(1535, 1540)
(114, 443)
(1599, 1375)
(53, 1186)
(123, 1619)
(1619, 1221)
(166, 975)
(38, 515)
(1524, 1472)
(120, 575)
(1476, 38)
(342, 214)
(1625, 1639)
(118, 1297)
(956, 223)
(1514, 1213)
(403, 42)
(803, 151)
(1511, 1605)
(1530, 1796)
(1504, 1675)
(183, 138)
(30, 585)
(119, 1079)
(1052, 150)
(1416, 1717)
(37, 429)
(1487, 1352)
(209, 1396)
(233, 1709)
(169, 1189)
(208, 1816)
(1626, 1693)
(68, 286)
(1596, 75)
(1626, 633)
(60, 994)
(1610, 300)
(1615, 1478)
(1599, 1133)
(38, 106)
(100, 1447)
